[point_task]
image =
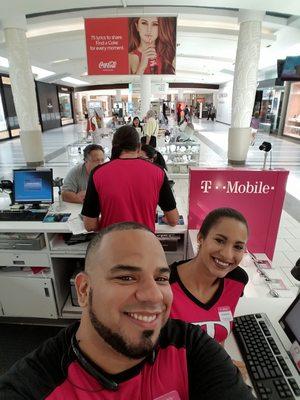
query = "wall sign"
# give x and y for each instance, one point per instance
(257, 194)
(122, 46)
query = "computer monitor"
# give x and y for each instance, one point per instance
(33, 186)
(291, 69)
(290, 321)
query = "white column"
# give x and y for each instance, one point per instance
(130, 106)
(244, 84)
(181, 95)
(23, 89)
(118, 95)
(145, 94)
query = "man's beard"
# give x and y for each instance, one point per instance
(117, 341)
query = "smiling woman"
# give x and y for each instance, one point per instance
(207, 288)
(152, 45)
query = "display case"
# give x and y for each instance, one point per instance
(179, 156)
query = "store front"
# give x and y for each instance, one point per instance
(268, 102)
(9, 126)
(65, 105)
(292, 120)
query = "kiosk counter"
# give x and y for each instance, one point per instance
(36, 264)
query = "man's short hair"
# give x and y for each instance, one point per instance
(91, 147)
(96, 241)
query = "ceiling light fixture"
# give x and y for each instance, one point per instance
(74, 81)
(60, 61)
(39, 72)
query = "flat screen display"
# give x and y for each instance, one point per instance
(291, 69)
(33, 186)
(290, 321)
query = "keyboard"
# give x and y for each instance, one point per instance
(24, 215)
(272, 373)
(71, 239)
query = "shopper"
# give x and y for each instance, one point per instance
(152, 45)
(137, 124)
(75, 183)
(213, 113)
(124, 346)
(212, 281)
(150, 129)
(113, 122)
(127, 188)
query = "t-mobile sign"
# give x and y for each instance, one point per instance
(257, 194)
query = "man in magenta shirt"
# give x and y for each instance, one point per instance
(127, 188)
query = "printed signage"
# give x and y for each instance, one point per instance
(257, 194)
(122, 46)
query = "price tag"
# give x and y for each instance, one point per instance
(225, 313)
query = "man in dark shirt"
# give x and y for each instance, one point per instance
(127, 188)
(125, 347)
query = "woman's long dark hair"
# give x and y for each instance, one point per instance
(125, 138)
(165, 43)
(154, 155)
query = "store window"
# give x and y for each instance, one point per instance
(292, 120)
(4, 133)
(65, 107)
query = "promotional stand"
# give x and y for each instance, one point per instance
(257, 194)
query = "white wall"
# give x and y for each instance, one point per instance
(224, 102)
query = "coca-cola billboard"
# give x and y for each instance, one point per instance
(135, 46)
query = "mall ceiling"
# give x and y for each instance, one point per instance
(207, 34)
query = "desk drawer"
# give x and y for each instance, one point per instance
(25, 259)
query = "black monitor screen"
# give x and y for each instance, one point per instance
(33, 186)
(290, 321)
(291, 69)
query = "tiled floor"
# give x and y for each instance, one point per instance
(213, 137)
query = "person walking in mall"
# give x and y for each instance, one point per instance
(150, 129)
(213, 112)
(212, 280)
(127, 188)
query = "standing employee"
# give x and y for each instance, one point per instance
(127, 188)
(207, 288)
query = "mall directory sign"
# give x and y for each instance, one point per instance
(131, 46)
(257, 194)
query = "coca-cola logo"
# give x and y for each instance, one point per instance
(107, 65)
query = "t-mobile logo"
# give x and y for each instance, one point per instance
(257, 187)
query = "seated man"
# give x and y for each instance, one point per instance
(75, 183)
(124, 346)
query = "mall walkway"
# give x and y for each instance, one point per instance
(213, 137)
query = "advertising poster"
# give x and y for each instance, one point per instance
(257, 194)
(131, 46)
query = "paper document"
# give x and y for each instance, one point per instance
(76, 225)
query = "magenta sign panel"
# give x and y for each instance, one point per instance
(257, 194)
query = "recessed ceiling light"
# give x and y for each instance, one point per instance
(69, 79)
(60, 61)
